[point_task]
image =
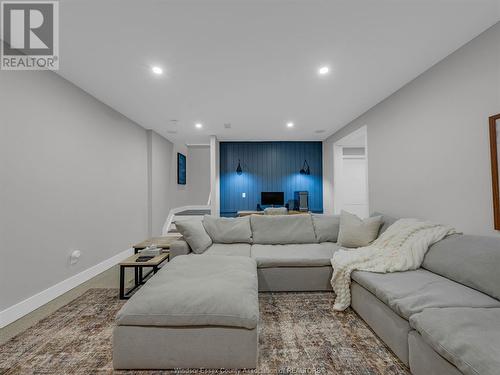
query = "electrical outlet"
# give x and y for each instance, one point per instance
(75, 257)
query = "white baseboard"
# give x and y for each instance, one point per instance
(11, 314)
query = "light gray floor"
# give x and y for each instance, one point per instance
(107, 279)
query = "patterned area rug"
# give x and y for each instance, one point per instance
(299, 334)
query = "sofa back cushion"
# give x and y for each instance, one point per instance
(470, 260)
(326, 227)
(228, 230)
(282, 229)
(195, 235)
(387, 221)
(275, 211)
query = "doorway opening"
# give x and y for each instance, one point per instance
(350, 174)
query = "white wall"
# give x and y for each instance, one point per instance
(73, 175)
(161, 178)
(198, 174)
(428, 143)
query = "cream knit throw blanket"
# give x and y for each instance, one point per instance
(401, 247)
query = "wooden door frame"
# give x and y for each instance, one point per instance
(494, 170)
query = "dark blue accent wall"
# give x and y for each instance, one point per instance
(268, 166)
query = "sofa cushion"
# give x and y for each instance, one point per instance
(179, 247)
(467, 337)
(286, 229)
(387, 221)
(228, 230)
(410, 292)
(238, 249)
(326, 227)
(470, 260)
(197, 291)
(195, 235)
(294, 255)
(356, 232)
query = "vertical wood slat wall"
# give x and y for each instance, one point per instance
(268, 166)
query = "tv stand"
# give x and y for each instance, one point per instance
(248, 213)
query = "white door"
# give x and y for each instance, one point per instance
(350, 182)
(353, 186)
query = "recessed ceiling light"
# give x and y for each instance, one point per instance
(157, 70)
(323, 70)
(289, 124)
(198, 125)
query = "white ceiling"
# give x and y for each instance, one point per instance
(254, 63)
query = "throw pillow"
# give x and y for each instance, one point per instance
(356, 232)
(326, 227)
(195, 235)
(228, 230)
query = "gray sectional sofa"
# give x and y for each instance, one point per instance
(443, 318)
(292, 252)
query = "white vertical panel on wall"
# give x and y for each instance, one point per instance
(198, 174)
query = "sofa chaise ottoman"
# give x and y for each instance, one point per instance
(196, 312)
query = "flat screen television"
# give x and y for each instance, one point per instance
(274, 198)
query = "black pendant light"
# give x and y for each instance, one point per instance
(305, 168)
(239, 170)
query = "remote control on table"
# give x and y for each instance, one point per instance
(144, 258)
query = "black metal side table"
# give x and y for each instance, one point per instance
(139, 277)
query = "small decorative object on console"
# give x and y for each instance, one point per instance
(150, 251)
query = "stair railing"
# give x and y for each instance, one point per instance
(174, 211)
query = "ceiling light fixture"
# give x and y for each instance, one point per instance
(157, 70)
(198, 125)
(289, 124)
(323, 70)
